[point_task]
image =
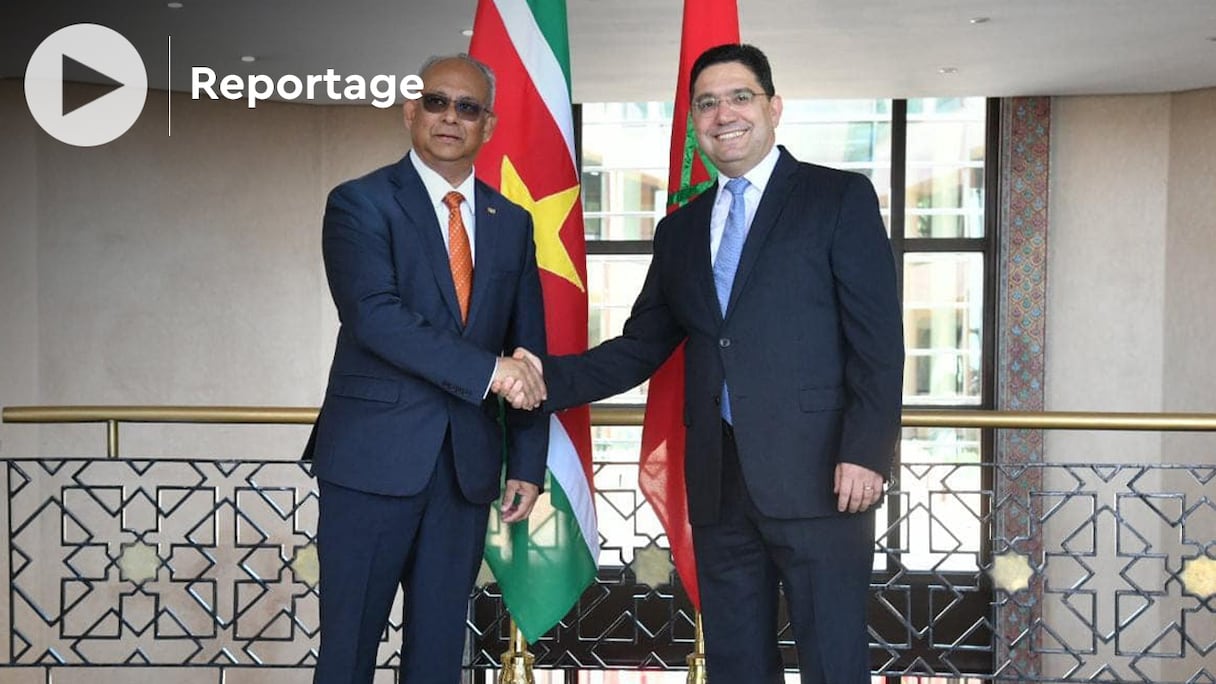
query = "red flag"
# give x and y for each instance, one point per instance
(661, 469)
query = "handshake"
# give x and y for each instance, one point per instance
(520, 380)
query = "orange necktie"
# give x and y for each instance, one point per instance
(460, 257)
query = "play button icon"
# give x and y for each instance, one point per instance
(76, 71)
(86, 116)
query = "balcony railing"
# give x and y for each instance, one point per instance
(1060, 571)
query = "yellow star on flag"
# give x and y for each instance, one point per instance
(548, 216)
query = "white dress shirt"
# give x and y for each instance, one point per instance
(437, 187)
(757, 179)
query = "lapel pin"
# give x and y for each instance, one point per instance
(491, 210)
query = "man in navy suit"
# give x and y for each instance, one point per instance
(782, 283)
(434, 275)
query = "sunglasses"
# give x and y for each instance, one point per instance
(468, 110)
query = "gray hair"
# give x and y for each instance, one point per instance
(485, 70)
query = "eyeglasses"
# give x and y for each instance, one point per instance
(468, 110)
(738, 100)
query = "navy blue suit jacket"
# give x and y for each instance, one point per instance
(811, 343)
(405, 370)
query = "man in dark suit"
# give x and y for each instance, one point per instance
(434, 275)
(781, 281)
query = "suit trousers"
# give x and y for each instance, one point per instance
(429, 544)
(824, 566)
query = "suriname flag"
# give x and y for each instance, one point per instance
(543, 564)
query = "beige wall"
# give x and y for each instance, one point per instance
(18, 263)
(1132, 246)
(1130, 278)
(175, 270)
(1189, 378)
(1106, 258)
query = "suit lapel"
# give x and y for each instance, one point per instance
(420, 216)
(701, 265)
(772, 202)
(486, 239)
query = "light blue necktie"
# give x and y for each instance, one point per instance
(727, 260)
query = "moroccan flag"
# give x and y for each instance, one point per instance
(543, 564)
(661, 473)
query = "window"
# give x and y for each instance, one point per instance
(946, 252)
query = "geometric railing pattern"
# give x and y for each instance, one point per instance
(212, 564)
(161, 562)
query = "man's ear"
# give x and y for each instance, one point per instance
(491, 123)
(409, 110)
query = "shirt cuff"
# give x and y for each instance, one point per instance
(486, 395)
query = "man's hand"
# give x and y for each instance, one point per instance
(525, 355)
(519, 382)
(857, 488)
(518, 498)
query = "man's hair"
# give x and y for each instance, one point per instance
(749, 56)
(484, 68)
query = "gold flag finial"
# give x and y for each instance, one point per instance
(517, 661)
(696, 659)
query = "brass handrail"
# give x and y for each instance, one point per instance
(231, 415)
(619, 415)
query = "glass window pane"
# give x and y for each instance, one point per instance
(623, 204)
(945, 174)
(624, 176)
(613, 282)
(946, 142)
(798, 111)
(943, 328)
(852, 134)
(945, 201)
(838, 143)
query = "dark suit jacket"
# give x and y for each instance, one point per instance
(811, 343)
(405, 369)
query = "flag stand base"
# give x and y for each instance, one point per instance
(696, 659)
(517, 662)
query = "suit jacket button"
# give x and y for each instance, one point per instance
(724, 342)
(717, 400)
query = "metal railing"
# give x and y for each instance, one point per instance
(1035, 599)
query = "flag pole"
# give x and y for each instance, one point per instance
(696, 659)
(517, 661)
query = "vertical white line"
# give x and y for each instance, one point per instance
(169, 90)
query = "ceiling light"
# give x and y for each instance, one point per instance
(175, 5)
(249, 58)
(948, 70)
(467, 33)
(979, 20)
